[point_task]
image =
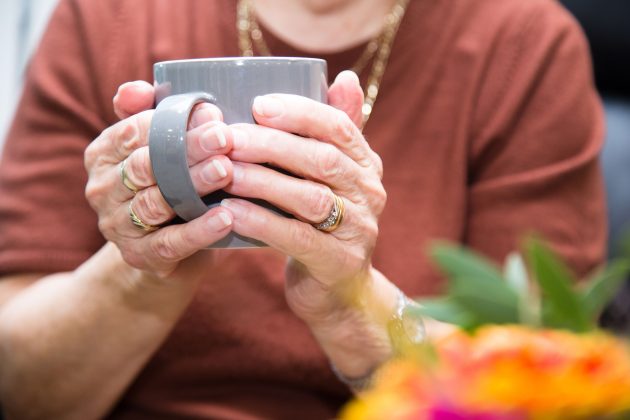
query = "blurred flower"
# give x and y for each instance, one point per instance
(555, 365)
(507, 373)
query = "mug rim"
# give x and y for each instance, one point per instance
(237, 59)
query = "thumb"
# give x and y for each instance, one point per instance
(346, 95)
(133, 98)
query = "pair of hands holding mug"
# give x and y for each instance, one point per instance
(327, 150)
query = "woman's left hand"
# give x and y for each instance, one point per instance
(330, 153)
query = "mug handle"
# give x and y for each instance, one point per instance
(167, 150)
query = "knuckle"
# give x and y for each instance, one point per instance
(95, 153)
(130, 133)
(125, 135)
(379, 194)
(377, 205)
(381, 199)
(371, 230)
(164, 247)
(106, 225)
(320, 203)
(373, 195)
(343, 127)
(151, 210)
(139, 167)
(90, 155)
(93, 191)
(304, 240)
(328, 161)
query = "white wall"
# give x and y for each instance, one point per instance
(21, 25)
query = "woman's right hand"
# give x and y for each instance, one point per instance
(160, 251)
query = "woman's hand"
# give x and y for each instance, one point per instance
(160, 251)
(332, 157)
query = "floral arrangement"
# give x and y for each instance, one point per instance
(527, 347)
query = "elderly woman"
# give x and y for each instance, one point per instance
(480, 121)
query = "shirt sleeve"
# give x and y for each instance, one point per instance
(46, 225)
(534, 159)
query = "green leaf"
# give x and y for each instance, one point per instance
(445, 310)
(528, 300)
(477, 286)
(561, 306)
(601, 289)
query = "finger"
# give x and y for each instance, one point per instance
(209, 139)
(309, 201)
(303, 157)
(150, 206)
(309, 118)
(346, 95)
(118, 141)
(137, 170)
(135, 97)
(132, 98)
(203, 113)
(212, 171)
(170, 244)
(211, 175)
(290, 236)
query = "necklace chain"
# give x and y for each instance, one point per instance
(379, 48)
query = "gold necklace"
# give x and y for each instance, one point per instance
(250, 35)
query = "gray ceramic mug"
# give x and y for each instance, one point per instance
(231, 84)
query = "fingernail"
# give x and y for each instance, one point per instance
(235, 208)
(219, 167)
(239, 138)
(213, 172)
(221, 137)
(212, 138)
(268, 106)
(219, 221)
(227, 221)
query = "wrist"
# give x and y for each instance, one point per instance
(354, 334)
(406, 330)
(379, 323)
(140, 290)
(367, 298)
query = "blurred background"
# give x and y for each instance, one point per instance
(605, 22)
(21, 25)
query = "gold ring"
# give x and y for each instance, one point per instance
(125, 179)
(137, 222)
(334, 219)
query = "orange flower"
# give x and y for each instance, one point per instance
(504, 371)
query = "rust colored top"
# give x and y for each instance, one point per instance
(487, 122)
